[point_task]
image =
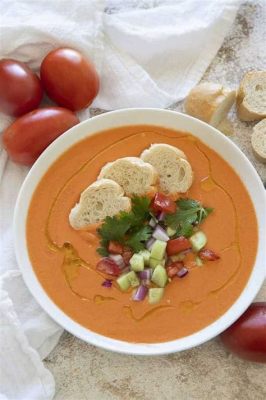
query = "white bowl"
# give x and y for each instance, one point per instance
(214, 139)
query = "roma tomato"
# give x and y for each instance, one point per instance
(163, 203)
(247, 336)
(20, 88)
(28, 136)
(108, 266)
(70, 79)
(174, 246)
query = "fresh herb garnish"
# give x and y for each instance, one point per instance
(189, 213)
(128, 227)
(137, 239)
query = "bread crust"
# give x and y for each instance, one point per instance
(209, 102)
(252, 90)
(175, 172)
(100, 199)
(135, 176)
(258, 140)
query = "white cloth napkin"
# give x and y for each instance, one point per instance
(148, 54)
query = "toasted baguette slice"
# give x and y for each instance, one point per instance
(209, 102)
(134, 175)
(101, 199)
(258, 140)
(174, 170)
(251, 98)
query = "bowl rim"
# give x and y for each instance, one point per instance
(173, 120)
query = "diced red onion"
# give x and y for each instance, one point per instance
(118, 259)
(140, 293)
(161, 216)
(145, 274)
(152, 223)
(149, 243)
(107, 283)
(146, 282)
(160, 234)
(182, 272)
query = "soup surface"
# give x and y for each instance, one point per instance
(64, 259)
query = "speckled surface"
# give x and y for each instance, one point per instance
(83, 372)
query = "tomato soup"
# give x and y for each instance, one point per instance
(65, 259)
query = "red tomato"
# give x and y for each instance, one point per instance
(20, 88)
(70, 79)
(28, 136)
(247, 336)
(208, 255)
(163, 203)
(127, 254)
(173, 268)
(115, 247)
(174, 246)
(108, 266)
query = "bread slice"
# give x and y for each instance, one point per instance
(101, 199)
(174, 170)
(209, 102)
(135, 176)
(258, 140)
(251, 98)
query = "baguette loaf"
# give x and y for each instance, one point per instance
(209, 102)
(135, 176)
(251, 98)
(174, 170)
(258, 140)
(101, 199)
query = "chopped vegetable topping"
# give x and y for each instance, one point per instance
(174, 268)
(107, 283)
(163, 203)
(137, 248)
(175, 246)
(208, 255)
(108, 266)
(115, 247)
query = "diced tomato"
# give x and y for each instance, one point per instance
(127, 254)
(208, 255)
(161, 202)
(173, 268)
(115, 247)
(108, 266)
(174, 246)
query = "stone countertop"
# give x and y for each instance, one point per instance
(84, 372)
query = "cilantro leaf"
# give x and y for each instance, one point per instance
(127, 227)
(114, 228)
(187, 204)
(137, 239)
(190, 212)
(140, 209)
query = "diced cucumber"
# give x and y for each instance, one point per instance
(153, 263)
(155, 295)
(199, 261)
(146, 255)
(128, 280)
(159, 276)
(137, 262)
(133, 279)
(158, 249)
(178, 257)
(198, 240)
(170, 231)
(123, 282)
